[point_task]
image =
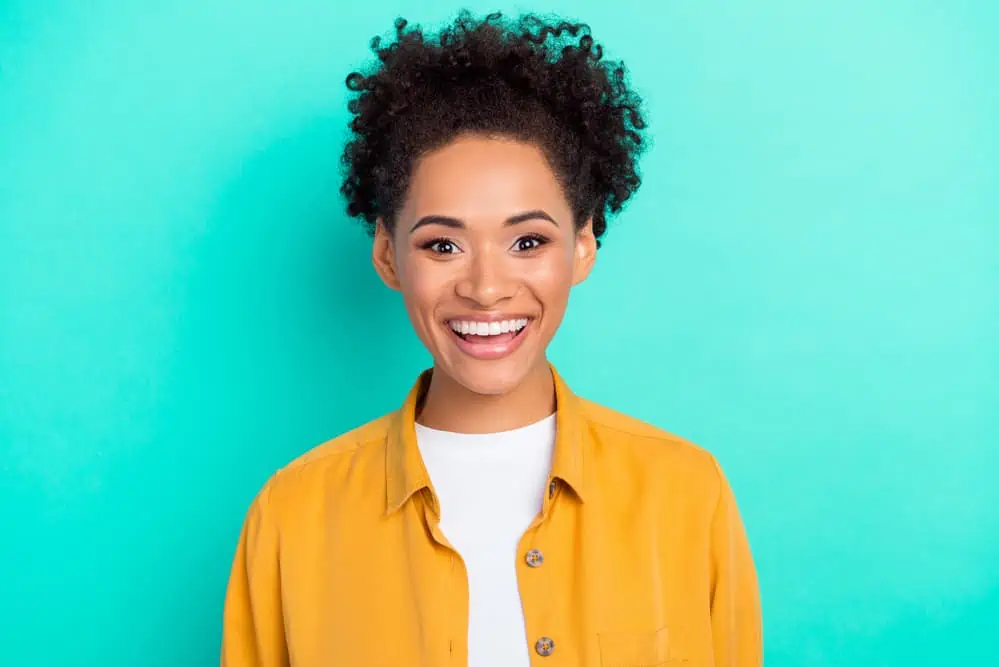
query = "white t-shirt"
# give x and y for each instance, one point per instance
(491, 487)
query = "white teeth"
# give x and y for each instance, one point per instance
(468, 327)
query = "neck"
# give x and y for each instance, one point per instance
(448, 406)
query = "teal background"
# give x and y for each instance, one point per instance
(807, 285)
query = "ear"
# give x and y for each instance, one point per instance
(383, 256)
(585, 253)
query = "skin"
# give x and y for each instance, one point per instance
(478, 264)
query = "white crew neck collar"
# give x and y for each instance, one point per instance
(520, 430)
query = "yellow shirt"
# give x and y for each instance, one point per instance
(638, 557)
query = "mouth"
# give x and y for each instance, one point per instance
(489, 340)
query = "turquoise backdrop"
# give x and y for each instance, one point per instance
(807, 285)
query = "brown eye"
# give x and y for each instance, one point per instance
(528, 243)
(440, 246)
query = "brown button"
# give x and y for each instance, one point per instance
(535, 558)
(551, 489)
(544, 646)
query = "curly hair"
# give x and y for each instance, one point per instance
(541, 82)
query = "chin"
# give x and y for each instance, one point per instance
(488, 378)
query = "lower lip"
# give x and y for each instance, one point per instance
(488, 348)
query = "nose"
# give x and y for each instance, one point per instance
(486, 279)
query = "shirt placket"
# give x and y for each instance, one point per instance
(455, 586)
(535, 586)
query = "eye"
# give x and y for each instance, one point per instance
(530, 242)
(440, 246)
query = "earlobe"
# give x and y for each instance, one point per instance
(383, 256)
(585, 253)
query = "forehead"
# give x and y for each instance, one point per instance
(480, 177)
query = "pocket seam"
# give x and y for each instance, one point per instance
(661, 648)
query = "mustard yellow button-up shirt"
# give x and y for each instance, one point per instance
(637, 558)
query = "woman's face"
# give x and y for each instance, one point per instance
(485, 252)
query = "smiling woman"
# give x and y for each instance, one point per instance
(494, 240)
(496, 518)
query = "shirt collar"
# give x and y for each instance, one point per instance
(405, 472)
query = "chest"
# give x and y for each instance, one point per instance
(623, 586)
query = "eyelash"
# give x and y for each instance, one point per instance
(429, 244)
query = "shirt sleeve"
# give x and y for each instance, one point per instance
(252, 622)
(736, 617)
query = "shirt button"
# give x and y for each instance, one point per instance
(544, 646)
(535, 558)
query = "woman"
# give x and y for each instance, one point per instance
(496, 518)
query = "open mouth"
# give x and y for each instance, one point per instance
(489, 340)
(492, 331)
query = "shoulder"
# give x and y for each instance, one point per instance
(623, 428)
(637, 443)
(342, 446)
(313, 472)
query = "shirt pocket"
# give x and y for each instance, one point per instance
(638, 649)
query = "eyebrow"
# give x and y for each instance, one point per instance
(457, 223)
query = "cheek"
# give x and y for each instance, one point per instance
(424, 286)
(551, 278)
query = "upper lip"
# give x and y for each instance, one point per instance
(488, 317)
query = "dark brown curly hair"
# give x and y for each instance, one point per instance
(544, 82)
